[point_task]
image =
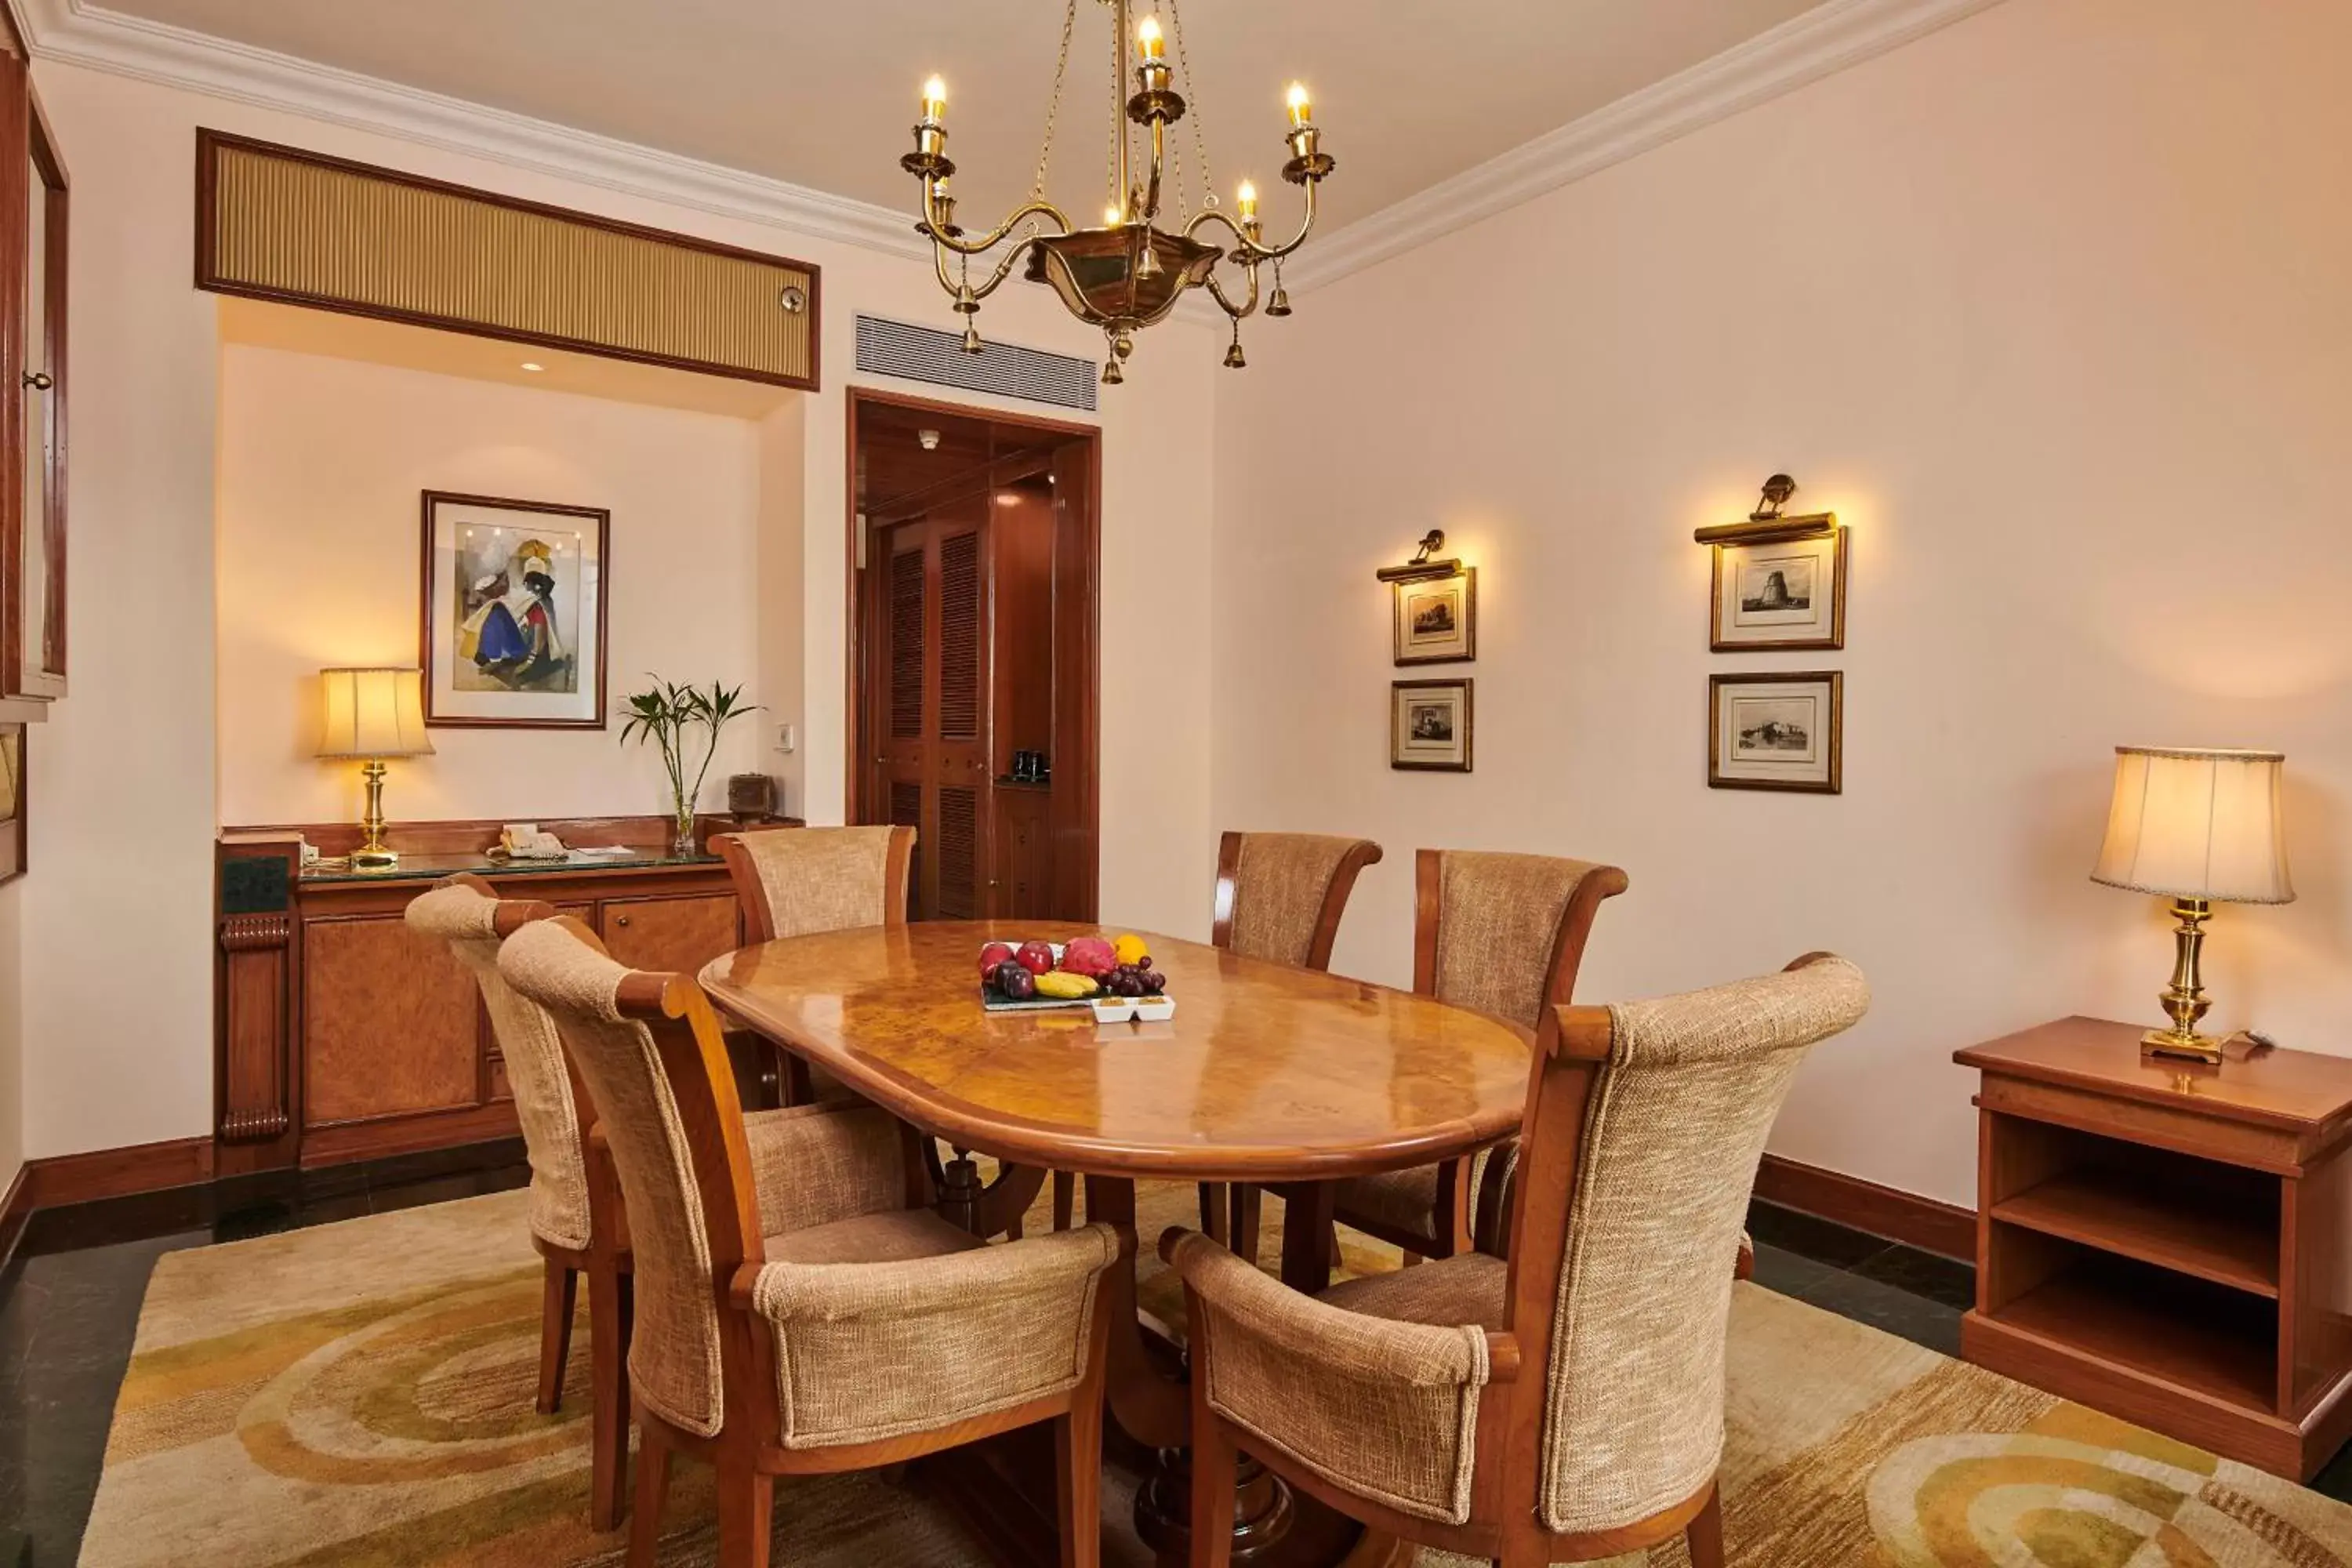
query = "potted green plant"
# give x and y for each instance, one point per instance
(667, 713)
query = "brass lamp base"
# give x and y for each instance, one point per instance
(2189, 1047)
(373, 854)
(2185, 1000)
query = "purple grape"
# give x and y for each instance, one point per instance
(1017, 983)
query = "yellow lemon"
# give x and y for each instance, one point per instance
(1130, 948)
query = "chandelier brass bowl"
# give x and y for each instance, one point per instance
(1133, 270)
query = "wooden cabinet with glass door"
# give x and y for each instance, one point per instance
(32, 222)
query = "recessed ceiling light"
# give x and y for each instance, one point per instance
(532, 365)
(1008, 498)
(928, 439)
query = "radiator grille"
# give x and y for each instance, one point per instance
(920, 353)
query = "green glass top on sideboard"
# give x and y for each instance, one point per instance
(428, 867)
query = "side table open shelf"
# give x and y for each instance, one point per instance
(2167, 1242)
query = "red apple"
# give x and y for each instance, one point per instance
(994, 954)
(1036, 957)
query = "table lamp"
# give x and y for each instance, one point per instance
(2194, 827)
(373, 714)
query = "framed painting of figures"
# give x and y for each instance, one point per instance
(513, 621)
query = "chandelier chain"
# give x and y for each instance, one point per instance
(1199, 132)
(1053, 104)
(1117, 125)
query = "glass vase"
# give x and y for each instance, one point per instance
(681, 833)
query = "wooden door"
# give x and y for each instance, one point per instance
(929, 711)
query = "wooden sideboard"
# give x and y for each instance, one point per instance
(341, 1036)
(2167, 1241)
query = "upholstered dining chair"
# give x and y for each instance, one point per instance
(1567, 1405)
(799, 881)
(1279, 897)
(575, 1217)
(1503, 934)
(860, 1329)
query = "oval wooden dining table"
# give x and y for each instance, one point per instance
(1283, 1076)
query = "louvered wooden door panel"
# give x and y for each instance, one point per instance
(931, 674)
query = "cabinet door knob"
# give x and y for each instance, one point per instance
(620, 920)
(40, 380)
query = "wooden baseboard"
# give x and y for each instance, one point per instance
(15, 1209)
(116, 1172)
(1927, 1224)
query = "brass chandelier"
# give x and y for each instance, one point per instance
(1130, 271)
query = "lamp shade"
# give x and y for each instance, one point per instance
(373, 713)
(2197, 825)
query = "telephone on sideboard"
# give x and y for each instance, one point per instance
(524, 841)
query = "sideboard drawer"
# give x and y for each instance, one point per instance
(669, 933)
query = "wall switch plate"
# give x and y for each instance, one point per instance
(785, 739)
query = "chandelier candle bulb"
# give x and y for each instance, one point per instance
(1245, 199)
(1301, 109)
(1146, 38)
(935, 101)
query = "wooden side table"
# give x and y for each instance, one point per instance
(2167, 1242)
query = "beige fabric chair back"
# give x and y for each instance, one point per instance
(798, 882)
(461, 913)
(1672, 1136)
(1280, 895)
(674, 1358)
(1498, 928)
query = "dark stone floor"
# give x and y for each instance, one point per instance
(69, 1306)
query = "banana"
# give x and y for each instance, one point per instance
(1068, 987)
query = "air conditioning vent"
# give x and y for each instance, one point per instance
(921, 354)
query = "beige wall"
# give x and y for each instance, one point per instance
(2051, 307)
(126, 771)
(12, 1030)
(322, 462)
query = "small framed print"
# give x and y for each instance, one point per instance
(12, 802)
(1776, 732)
(1438, 620)
(1780, 593)
(1429, 725)
(513, 623)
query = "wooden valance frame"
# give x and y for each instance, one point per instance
(280, 224)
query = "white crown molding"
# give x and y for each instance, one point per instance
(78, 33)
(1805, 48)
(1816, 44)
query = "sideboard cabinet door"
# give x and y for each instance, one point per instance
(388, 1023)
(679, 934)
(33, 212)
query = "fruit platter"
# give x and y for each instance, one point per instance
(1113, 977)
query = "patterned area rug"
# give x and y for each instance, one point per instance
(360, 1396)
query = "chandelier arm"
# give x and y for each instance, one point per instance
(1248, 307)
(1004, 268)
(934, 227)
(1257, 250)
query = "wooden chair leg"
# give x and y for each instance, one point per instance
(747, 1513)
(610, 1310)
(1214, 1223)
(1213, 1463)
(561, 1294)
(1066, 1199)
(653, 1491)
(1077, 1479)
(1249, 1206)
(1703, 1534)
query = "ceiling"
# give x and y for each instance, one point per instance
(1408, 92)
